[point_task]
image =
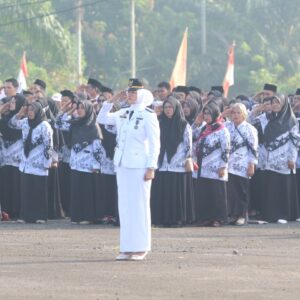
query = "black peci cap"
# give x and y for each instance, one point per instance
(270, 87)
(95, 83)
(106, 89)
(181, 89)
(135, 84)
(68, 93)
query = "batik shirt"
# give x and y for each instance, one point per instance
(283, 149)
(215, 153)
(85, 157)
(12, 152)
(260, 123)
(107, 166)
(39, 159)
(184, 151)
(243, 148)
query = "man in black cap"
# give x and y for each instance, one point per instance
(296, 103)
(180, 92)
(269, 90)
(105, 95)
(94, 90)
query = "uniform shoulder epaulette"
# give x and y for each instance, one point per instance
(149, 110)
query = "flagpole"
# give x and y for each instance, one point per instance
(133, 53)
(79, 42)
(203, 27)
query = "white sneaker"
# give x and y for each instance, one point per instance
(21, 221)
(298, 220)
(240, 221)
(123, 256)
(40, 221)
(138, 257)
(282, 221)
(84, 222)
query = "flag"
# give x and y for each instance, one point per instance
(229, 76)
(23, 74)
(179, 72)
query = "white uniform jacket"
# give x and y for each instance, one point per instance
(138, 138)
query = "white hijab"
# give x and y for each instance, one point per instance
(144, 99)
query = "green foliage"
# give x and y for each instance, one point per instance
(267, 36)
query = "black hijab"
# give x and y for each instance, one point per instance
(194, 109)
(280, 122)
(85, 130)
(171, 130)
(109, 142)
(39, 117)
(8, 133)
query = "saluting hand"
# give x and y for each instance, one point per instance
(22, 112)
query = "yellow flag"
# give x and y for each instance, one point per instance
(179, 72)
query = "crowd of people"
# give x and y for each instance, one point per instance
(221, 161)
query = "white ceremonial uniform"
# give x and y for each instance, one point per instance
(138, 146)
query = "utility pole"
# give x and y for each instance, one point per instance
(79, 41)
(133, 61)
(203, 27)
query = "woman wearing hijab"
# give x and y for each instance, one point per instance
(172, 198)
(281, 142)
(259, 118)
(190, 109)
(107, 209)
(35, 163)
(12, 153)
(135, 160)
(211, 147)
(64, 171)
(85, 160)
(55, 210)
(242, 161)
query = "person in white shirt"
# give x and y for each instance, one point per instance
(241, 165)
(35, 162)
(135, 159)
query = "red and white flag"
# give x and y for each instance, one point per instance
(23, 74)
(229, 76)
(179, 72)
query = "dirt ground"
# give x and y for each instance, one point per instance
(63, 261)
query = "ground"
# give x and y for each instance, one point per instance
(63, 261)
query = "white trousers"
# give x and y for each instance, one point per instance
(134, 210)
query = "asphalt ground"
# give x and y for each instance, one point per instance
(58, 260)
